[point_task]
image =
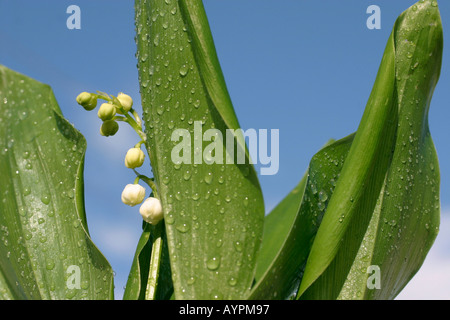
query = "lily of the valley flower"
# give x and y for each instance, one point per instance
(87, 101)
(133, 194)
(151, 211)
(135, 158)
(125, 100)
(107, 111)
(109, 128)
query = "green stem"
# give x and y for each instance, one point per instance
(136, 116)
(136, 127)
(138, 145)
(149, 182)
(120, 118)
(155, 262)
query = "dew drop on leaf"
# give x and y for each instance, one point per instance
(213, 263)
(184, 70)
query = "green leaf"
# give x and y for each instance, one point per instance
(214, 212)
(45, 251)
(281, 279)
(138, 278)
(277, 225)
(384, 211)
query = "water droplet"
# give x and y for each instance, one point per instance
(28, 235)
(85, 284)
(23, 115)
(50, 264)
(160, 110)
(213, 263)
(321, 206)
(45, 199)
(184, 70)
(196, 196)
(190, 281)
(183, 228)
(156, 40)
(245, 201)
(169, 219)
(187, 175)
(238, 246)
(216, 296)
(323, 196)
(26, 191)
(232, 281)
(209, 178)
(144, 57)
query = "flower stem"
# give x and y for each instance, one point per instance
(155, 261)
(148, 181)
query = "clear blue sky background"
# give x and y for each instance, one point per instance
(301, 66)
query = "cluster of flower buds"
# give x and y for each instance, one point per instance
(122, 104)
(119, 109)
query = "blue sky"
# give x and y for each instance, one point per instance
(303, 67)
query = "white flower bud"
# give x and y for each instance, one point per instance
(107, 111)
(87, 101)
(109, 128)
(133, 194)
(125, 100)
(134, 158)
(151, 211)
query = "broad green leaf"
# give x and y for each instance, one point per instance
(213, 211)
(138, 278)
(388, 200)
(45, 251)
(281, 279)
(407, 220)
(277, 225)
